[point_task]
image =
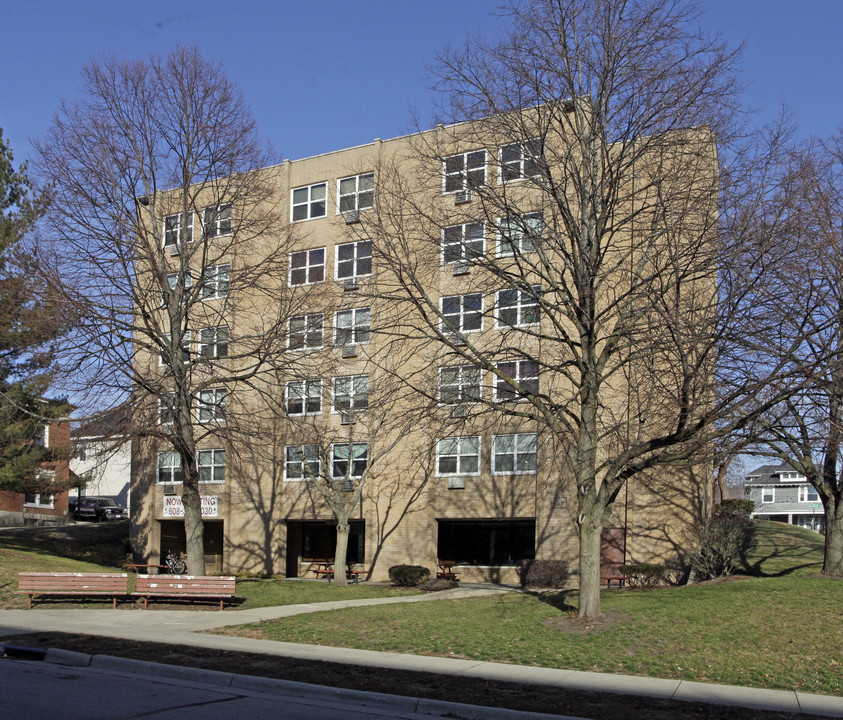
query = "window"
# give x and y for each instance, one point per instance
(517, 307)
(520, 234)
(514, 453)
(216, 221)
(216, 280)
(768, 495)
(295, 457)
(462, 242)
(172, 281)
(351, 393)
(210, 405)
(354, 259)
(463, 313)
(213, 342)
(165, 411)
(309, 202)
(524, 372)
(458, 456)
(464, 171)
(305, 332)
(176, 230)
(356, 193)
(808, 493)
(211, 466)
(487, 542)
(349, 460)
(307, 266)
(352, 327)
(41, 499)
(169, 467)
(459, 384)
(304, 397)
(185, 348)
(519, 160)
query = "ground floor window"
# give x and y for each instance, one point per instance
(488, 541)
(319, 541)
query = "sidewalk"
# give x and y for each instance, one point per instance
(186, 628)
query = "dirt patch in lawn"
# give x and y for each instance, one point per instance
(474, 691)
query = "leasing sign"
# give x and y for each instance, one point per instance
(173, 506)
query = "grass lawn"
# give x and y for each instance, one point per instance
(101, 547)
(778, 628)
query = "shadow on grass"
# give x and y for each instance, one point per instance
(558, 599)
(784, 550)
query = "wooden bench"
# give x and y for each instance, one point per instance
(185, 587)
(609, 579)
(113, 585)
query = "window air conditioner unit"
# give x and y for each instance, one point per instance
(461, 267)
(458, 411)
(169, 489)
(351, 217)
(349, 351)
(457, 341)
(461, 197)
(347, 419)
(174, 249)
(456, 483)
(350, 284)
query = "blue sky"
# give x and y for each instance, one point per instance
(331, 74)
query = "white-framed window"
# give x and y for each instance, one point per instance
(515, 453)
(519, 160)
(348, 460)
(211, 405)
(463, 242)
(216, 220)
(459, 384)
(185, 348)
(305, 331)
(301, 462)
(768, 495)
(458, 456)
(464, 171)
(356, 192)
(176, 230)
(352, 327)
(517, 307)
(169, 467)
(213, 342)
(809, 494)
(354, 260)
(41, 499)
(304, 397)
(519, 234)
(211, 466)
(309, 202)
(307, 267)
(462, 313)
(172, 281)
(215, 282)
(350, 393)
(166, 415)
(524, 372)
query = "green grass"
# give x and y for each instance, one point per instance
(778, 629)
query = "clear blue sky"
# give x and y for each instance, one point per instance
(330, 74)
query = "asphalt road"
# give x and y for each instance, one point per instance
(33, 690)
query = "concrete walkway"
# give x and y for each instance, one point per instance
(186, 628)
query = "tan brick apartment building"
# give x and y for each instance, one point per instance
(453, 479)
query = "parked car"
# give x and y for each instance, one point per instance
(97, 509)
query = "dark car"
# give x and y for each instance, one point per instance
(96, 509)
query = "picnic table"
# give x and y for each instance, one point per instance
(446, 570)
(325, 568)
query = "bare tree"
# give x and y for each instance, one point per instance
(581, 208)
(168, 251)
(805, 296)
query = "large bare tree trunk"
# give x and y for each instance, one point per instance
(833, 561)
(589, 605)
(341, 552)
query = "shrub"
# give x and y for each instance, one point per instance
(437, 584)
(543, 573)
(643, 575)
(408, 575)
(739, 507)
(724, 541)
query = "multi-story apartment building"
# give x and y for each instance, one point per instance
(360, 391)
